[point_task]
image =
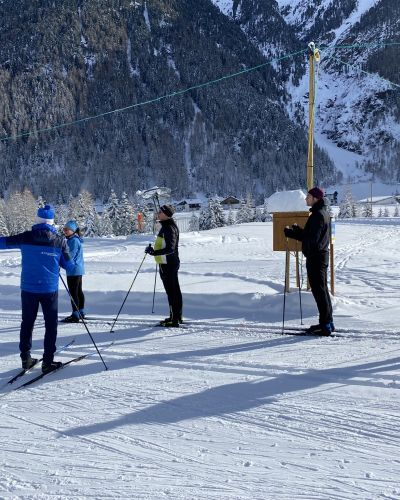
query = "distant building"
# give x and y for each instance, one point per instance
(230, 202)
(332, 197)
(381, 200)
(188, 205)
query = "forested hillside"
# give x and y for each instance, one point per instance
(65, 61)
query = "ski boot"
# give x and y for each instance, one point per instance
(50, 367)
(28, 362)
(73, 318)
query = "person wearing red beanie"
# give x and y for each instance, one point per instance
(315, 247)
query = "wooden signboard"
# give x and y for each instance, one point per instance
(279, 221)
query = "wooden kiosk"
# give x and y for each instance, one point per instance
(282, 244)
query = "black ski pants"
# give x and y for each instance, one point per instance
(317, 272)
(30, 306)
(75, 289)
(169, 277)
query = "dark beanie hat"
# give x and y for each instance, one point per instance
(317, 192)
(168, 210)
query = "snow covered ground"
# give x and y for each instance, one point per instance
(226, 407)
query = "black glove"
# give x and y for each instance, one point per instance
(149, 250)
(296, 229)
(288, 232)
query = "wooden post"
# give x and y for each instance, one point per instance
(313, 56)
(332, 253)
(297, 270)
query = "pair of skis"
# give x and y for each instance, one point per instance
(41, 375)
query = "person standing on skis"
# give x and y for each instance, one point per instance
(43, 252)
(166, 254)
(74, 277)
(315, 247)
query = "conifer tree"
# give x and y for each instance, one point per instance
(126, 216)
(396, 211)
(61, 215)
(105, 227)
(3, 223)
(230, 221)
(386, 212)
(112, 209)
(367, 210)
(346, 206)
(244, 214)
(148, 219)
(29, 208)
(86, 213)
(205, 218)
(20, 212)
(217, 217)
(194, 223)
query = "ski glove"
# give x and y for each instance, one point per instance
(288, 232)
(149, 250)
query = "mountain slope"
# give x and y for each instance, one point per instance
(66, 61)
(357, 117)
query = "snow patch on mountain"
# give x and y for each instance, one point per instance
(304, 13)
(344, 124)
(363, 6)
(225, 6)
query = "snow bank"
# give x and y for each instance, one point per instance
(287, 201)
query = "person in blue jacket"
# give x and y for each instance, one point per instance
(43, 251)
(74, 276)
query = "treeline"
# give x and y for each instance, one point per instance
(349, 209)
(214, 216)
(118, 217)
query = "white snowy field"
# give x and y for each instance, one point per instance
(226, 407)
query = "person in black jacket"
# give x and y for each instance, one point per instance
(315, 247)
(166, 254)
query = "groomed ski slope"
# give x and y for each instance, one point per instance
(224, 408)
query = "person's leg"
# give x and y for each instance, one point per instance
(170, 281)
(164, 275)
(49, 302)
(317, 276)
(179, 300)
(30, 306)
(176, 297)
(81, 297)
(73, 287)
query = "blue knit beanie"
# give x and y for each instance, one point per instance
(45, 215)
(71, 224)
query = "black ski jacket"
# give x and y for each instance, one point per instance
(315, 235)
(166, 245)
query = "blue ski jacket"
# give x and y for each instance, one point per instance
(75, 246)
(43, 251)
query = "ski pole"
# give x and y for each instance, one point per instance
(154, 291)
(284, 289)
(130, 288)
(83, 321)
(300, 284)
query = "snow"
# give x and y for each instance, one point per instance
(146, 16)
(132, 71)
(225, 6)
(362, 7)
(300, 10)
(287, 201)
(225, 408)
